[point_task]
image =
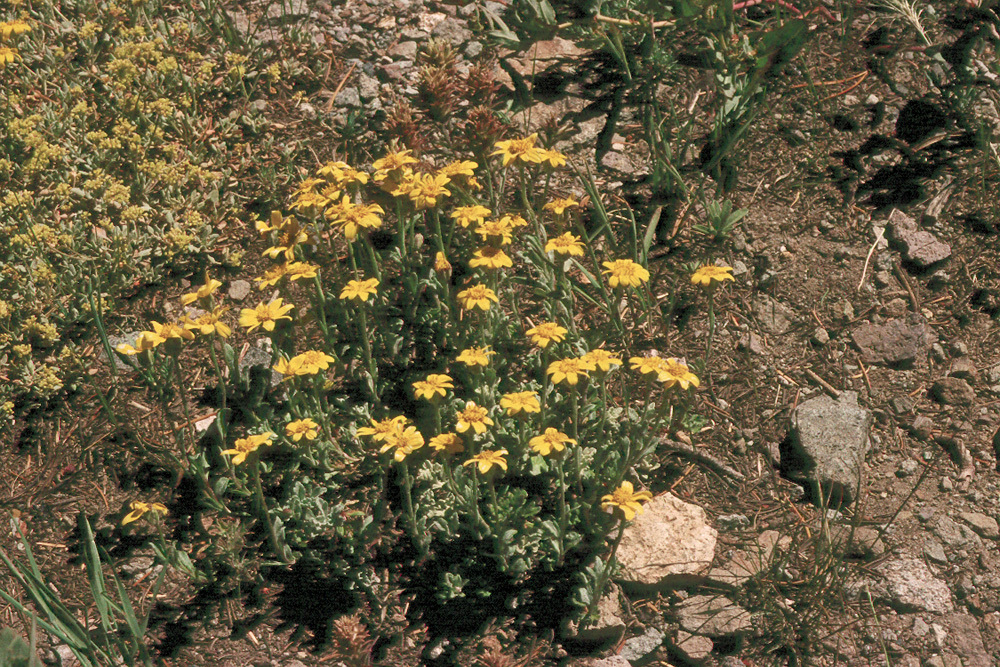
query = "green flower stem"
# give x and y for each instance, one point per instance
(545, 386)
(577, 452)
(563, 522)
(411, 515)
(502, 548)
(188, 425)
(222, 381)
(366, 348)
(263, 512)
(602, 580)
(372, 259)
(321, 307)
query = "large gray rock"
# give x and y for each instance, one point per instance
(953, 391)
(712, 616)
(774, 317)
(920, 249)
(667, 544)
(825, 448)
(908, 585)
(897, 343)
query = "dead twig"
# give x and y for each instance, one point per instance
(827, 387)
(701, 457)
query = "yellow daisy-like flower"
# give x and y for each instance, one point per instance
(674, 372)
(404, 441)
(203, 292)
(468, 215)
(170, 331)
(425, 190)
(302, 428)
(477, 296)
(565, 244)
(287, 367)
(272, 276)
(647, 365)
(435, 386)
(380, 430)
(441, 263)
(147, 340)
(522, 151)
(545, 333)
(709, 274)
(7, 55)
(392, 162)
(559, 206)
(602, 359)
(476, 357)
(625, 272)
(490, 257)
(486, 459)
(496, 231)
(570, 370)
(208, 323)
(310, 362)
(460, 168)
(8, 28)
(243, 447)
(520, 402)
(351, 217)
(553, 159)
(449, 443)
(359, 290)
(140, 509)
(297, 270)
(265, 315)
(290, 234)
(627, 500)
(473, 416)
(550, 441)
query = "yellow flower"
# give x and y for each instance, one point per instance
(360, 289)
(246, 446)
(208, 323)
(425, 190)
(287, 367)
(647, 365)
(565, 244)
(171, 333)
(522, 151)
(404, 441)
(147, 340)
(570, 370)
(441, 263)
(449, 443)
(392, 162)
(467, 215)
(550, 441)
(8, 28)
(625, 272)
(490, 258)
(554, 158)
(477, 296)
(473, 416)
(265, 315)
(520, 401)
(559, 206)
(602, 359)
(486, 459)
(310, 362)
(139, 510)
(708, 274)
(494, 231)
(625, 499)
(290, 235)
(274, 224)
(297, 270)
(203, 292)
(7, 55)
(380, 430)
(342, 175)
(674, 372)
(459, 168)
(272, 275)
(432, 387)
(476, 356)
(545, 333)
(351, 217)
(302, 428)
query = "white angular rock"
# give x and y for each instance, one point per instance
(670, 538)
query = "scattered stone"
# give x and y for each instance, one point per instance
(733, 522)
(694, 648)
(860, 542)
(619, 161)
(258, 356)
(953, 391)
(897, 343)
(712, 616)
(473, 49)
(751, 342)
(288, 10)
(920, 248)
(883, 279)
(902, 404)
(938, 353)
(404, 51)
(610, 661)
(843, 310)
(896, 307)
(453, 31)
(239, 290)
(750, 561)
(964, 369)
(922, 427)
(910, 586)
(825, 448)
(368, 87)
(348, 97)
(636, 649)
(907, 468)
(774, 317)
(954, 534)
(966, 640)
(934, 551)
(670, 539)
(129, 338)
(985, 526)
(946, 485)
(609, 626)
(820, 337)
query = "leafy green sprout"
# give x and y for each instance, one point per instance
(720, 220)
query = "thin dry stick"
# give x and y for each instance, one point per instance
(827, 387)
(880, 234)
